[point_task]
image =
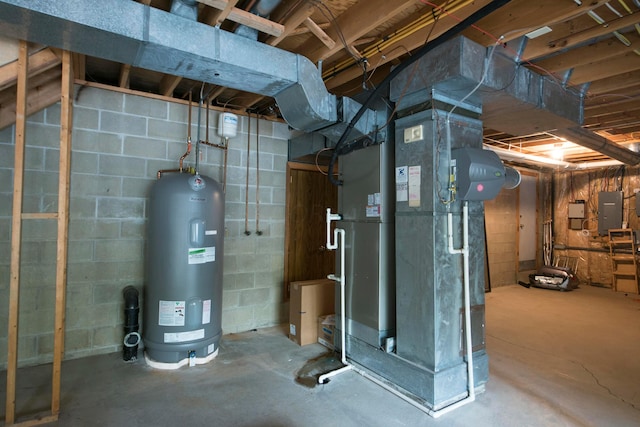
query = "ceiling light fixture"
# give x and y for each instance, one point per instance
(539, 32)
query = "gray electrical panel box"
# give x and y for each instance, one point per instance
(609, 211)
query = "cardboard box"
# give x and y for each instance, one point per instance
(309, 300)
(326, 330)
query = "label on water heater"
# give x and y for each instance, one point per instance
(184, 336)
(206, 311)
(171, 313)
(202, 255)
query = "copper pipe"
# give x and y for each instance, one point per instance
(188, 137)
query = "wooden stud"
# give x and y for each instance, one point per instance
(168, 84)
(319, 33)
(16, 233)
(125, 72)
(64, 174)
(79, 66)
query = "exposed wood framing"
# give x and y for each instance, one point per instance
(16, 233)
(125, 73)
(39, 62)
(62, 216)
(245, 18)
(584, 55)
(543, 47)
(215, 17)
(64, 176)
(79, 66)
(355, 23)
(319, 33)
(168, 84)
(293, 22)
(44, 91)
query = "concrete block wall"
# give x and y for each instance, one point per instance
(120, 141)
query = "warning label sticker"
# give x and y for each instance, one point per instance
(206, 311)
(184, 336)
(202, 255)
(171, 313)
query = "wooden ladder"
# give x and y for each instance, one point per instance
(62, 218)
(624, 260)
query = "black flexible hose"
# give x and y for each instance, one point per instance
(453, 31)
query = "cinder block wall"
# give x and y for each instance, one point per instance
(120, 141)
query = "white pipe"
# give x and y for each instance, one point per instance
(467, 306)
(338, 233)
(323, 379)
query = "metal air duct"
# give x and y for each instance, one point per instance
(514, 99)
(185, 8)
(156, 40)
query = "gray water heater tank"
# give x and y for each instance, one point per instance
(183, 290)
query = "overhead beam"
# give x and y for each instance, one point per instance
(125, 72)
(292, 23)
(213, 16)
(79, 66)
(319, 33)
(246, 18)
(519, 17)
(598, 51)
(614, 84)
(39, 62)
(401, 47)
(168, 84)
(613, 107)
(545, 46)
(605, 68)
(44, 91)
(354, 23)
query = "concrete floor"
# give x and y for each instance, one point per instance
(556, 359)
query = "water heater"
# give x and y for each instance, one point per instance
(183, 290)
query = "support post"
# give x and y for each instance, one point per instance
(16, 232)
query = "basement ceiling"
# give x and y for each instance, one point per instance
(591, 47)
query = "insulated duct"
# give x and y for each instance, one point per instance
(156, 40)
(513, 99)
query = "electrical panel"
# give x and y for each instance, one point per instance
(609, 211)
